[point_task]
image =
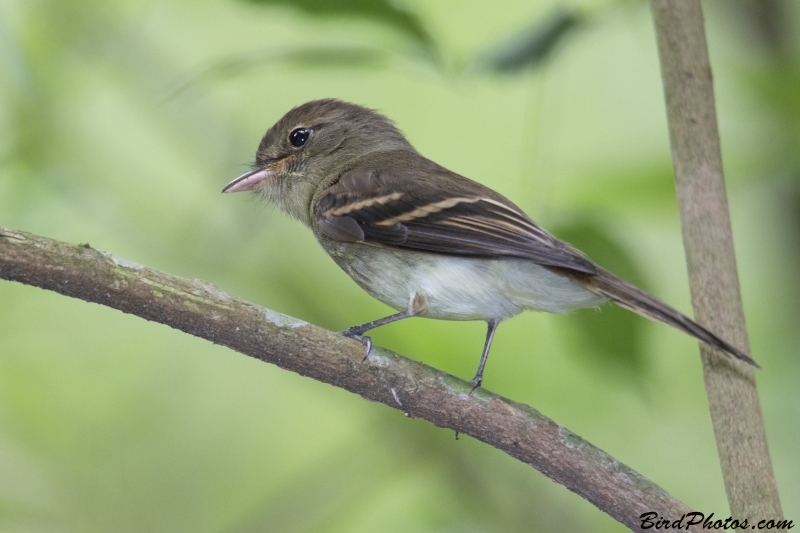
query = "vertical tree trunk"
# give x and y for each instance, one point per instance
(707, 238)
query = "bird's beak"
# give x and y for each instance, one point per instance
(249, 180)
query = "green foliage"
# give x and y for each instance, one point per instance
(530, 48)
(381, 11)
(108, 423)
(775, 87)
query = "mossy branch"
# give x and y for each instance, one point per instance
(419, 391)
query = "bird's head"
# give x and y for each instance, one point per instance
(311, 144)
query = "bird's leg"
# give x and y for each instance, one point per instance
(416, 306)
(492, 326)
(357, 332)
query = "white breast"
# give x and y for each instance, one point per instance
(460, 288)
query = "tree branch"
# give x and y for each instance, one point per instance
(419, 391)
(708, 240)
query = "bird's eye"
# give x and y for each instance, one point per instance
(299, 137)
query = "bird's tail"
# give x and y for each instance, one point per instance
(635, 299)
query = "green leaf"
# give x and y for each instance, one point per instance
(532, 47)
(378, 10)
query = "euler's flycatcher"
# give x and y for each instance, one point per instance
(422, 239)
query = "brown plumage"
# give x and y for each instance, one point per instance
(426, 240)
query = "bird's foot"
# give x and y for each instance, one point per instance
(356, 333)
(476, 382)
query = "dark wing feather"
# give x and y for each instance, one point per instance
(429, 209)
(446, 214)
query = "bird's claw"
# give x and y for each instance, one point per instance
(355, 333)
(476, 382)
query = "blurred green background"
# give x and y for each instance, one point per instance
(121, 121)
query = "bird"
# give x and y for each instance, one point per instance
(424, 240)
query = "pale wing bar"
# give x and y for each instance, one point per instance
(453, 225)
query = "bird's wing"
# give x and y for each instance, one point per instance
(410, 210)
